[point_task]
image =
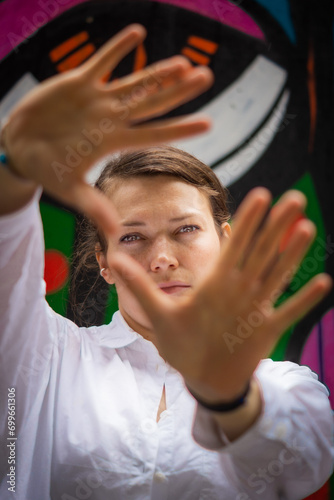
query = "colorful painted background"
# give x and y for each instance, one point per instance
(272, 105)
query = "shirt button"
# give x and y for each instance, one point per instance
(148, 425)
(267, 424)
(160, 477)
(281, 431)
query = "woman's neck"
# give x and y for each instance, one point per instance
(145, 331)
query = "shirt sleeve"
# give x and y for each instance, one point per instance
(25, 334)
(289, 450)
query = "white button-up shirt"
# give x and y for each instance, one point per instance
(86, 402)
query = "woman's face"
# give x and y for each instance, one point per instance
(167, 226)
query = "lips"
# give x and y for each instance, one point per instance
(171, 287)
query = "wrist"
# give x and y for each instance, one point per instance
(238, 421)
(6, 157)
(222, 405)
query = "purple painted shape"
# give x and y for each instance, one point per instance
(20, 18)
(322, 362)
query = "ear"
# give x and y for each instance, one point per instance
(226, 230)
(102, 261)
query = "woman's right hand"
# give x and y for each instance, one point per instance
(70, 121)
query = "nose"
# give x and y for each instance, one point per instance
(163, 257)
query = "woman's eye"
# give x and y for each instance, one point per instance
(188, 229)
(129, 238)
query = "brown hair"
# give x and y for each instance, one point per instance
(163, 160)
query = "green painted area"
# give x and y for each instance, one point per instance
(59, 233)
(313, 262)
(112, 305)
(59, 227)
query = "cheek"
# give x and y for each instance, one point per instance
(202, 255)
(137, 251)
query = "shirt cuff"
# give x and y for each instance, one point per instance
(279, 422)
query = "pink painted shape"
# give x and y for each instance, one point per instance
(310, 355)
(21, 18)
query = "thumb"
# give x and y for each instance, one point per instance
(132, 275)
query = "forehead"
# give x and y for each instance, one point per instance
(160, 194)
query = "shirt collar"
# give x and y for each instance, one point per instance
(118, 333)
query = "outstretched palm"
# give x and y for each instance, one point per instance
(58, 131)
(216, 337)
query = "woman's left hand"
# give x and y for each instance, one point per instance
(216, 337)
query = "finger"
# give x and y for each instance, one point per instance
(293, 309)
(167, 130)
(94, 205)
(147, 106)
(111, 53)
(131, 274)
(151, 78)
(282, 272)
(267, 241)
(246, 222)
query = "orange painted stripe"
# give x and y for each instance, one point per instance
(203, 44)
(312, 93)
(75, 59)
(195, 56)
(140, 58)
(67, 47)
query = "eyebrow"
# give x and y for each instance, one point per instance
(135, 223)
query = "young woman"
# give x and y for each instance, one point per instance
(171, 399)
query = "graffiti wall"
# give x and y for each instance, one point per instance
(272, 106)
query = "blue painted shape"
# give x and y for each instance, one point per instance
(280, 10)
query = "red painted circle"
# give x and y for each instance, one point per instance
(56, 270)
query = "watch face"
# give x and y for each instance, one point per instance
(262, 105)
